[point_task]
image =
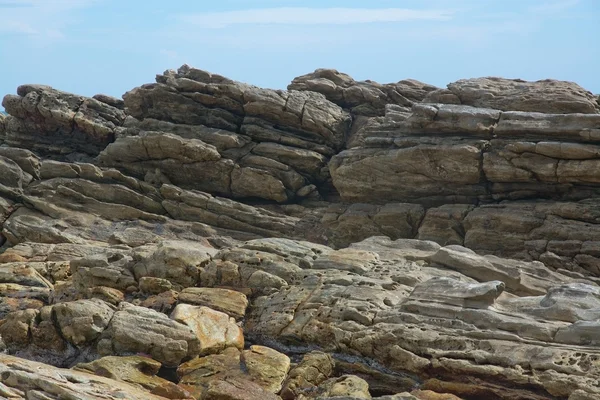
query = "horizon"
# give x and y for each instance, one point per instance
(89, 47)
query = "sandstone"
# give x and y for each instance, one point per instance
(153, 285)
(135, 329)
(429, 173)
(215, 330)
(81, 322)
(344, 386)
(266, 366)
(225, 376)
(135, 370)
(163, 302)
(362, 98)
(230, 302)
(179, 262)
(50, 121)
(450, 291)
(548, 96)
(349, 224)
(315, 368)
(390, 241)
(23, 379)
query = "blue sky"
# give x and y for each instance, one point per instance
(111, 46)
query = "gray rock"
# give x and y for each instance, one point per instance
(49, 121)
(547, 96)
(81, 322)
(22, 379)
(135, 329)
(362, 98)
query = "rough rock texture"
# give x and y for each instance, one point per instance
(207, 239)
(206, 132)
(58, 123)
(362, 98)
(547, 96)
(23, 379)
(135, 370)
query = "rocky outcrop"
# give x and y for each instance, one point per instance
(366, 98)
(207, 239)
(22, 379)
(206, 132)
(546, 96)
(56, 123)
(460, 154)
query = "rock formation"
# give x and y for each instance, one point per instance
(207, 239)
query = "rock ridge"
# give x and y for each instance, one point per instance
(203, 238)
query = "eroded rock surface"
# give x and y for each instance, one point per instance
(207, 239)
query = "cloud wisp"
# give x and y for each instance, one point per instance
(40, 18)
(554, 7)
(313, 16)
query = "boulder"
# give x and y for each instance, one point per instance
(215, 330)
(135, 329)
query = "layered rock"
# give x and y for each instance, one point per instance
(461, 154)
(546, 96)
(206, 132)
(414, 331)
(188, 241)
(23, 379)
(366, 98)
(57, 123)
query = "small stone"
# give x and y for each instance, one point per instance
(154, 285)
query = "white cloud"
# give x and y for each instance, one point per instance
(170, 54)
(313, 16)
(43, 19)
(553, 7)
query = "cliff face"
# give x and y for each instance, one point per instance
(388, 238)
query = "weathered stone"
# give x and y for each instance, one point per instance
(225, 213)
(83, 321)
(349, 224)
(49, 121)
(362, 98)
(344, 386)
(266, 366)
(225, 375)
(548, 96)
(215, 330)
(23, 379)
(176, 261)
(215, 181)
(136, 370)
(152, 285)
(456, 293)
(228, 301)
(315, 368)
(140, 330)
(424, 173)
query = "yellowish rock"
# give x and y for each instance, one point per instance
(215, 330)
(230, 302)
(267, 367)
(136, 370)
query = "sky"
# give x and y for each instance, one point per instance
(111, 46)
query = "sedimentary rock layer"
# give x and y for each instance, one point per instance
(207, 239)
